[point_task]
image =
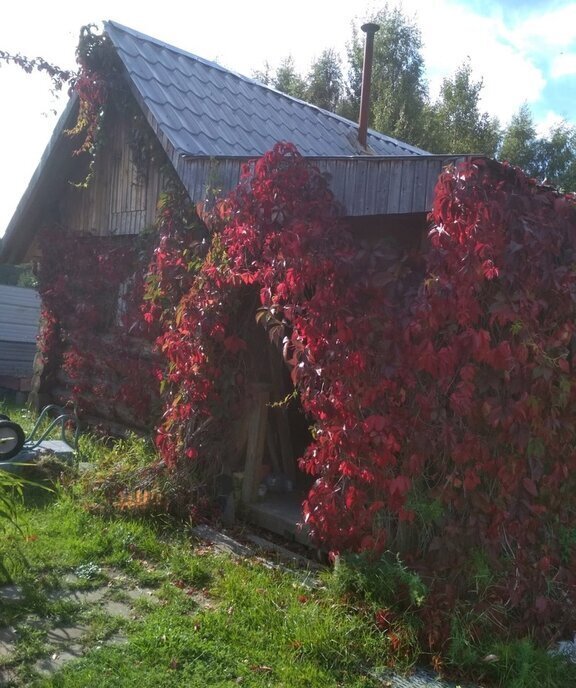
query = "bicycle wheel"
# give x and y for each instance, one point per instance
(12, 439)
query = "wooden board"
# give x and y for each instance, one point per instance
(257, 425)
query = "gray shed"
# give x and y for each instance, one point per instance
(19, 318)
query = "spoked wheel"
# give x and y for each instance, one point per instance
(12, 439)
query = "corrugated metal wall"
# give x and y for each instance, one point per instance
(19, 318)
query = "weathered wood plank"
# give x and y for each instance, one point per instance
(433, 171)
(257, 423)
(279, 414)
(120, 200)
(367, 186)
(19, 319)
(17, 358)
(395, 186)
(419, 186)
(405, 203)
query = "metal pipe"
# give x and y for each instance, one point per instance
(369, 30)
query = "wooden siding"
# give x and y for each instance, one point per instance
(120, 199)
(364, 186)
(19, 318)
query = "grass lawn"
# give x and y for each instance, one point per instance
(219, 621)
(207, 618)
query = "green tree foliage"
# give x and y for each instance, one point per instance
(556, 157)
(400, 105)
(519, 142)
(399, 90)
(455, 122)
(287, 79)
(17, 275)
(551, 158)
(325, 81)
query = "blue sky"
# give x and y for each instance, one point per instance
(546, 30)
(524, 50)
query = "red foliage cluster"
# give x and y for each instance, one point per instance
(441, 387)
(92, 91)
(491, 341)
(284, 235)
(181, 244)
(92, 338)
(96, 78)
(195, 313)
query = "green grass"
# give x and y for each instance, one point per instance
(215, 620)
(261, 625)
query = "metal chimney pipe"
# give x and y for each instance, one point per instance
(369, 30)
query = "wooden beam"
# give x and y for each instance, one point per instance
(257, 422)
(280, 414)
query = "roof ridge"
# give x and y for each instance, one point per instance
(214, 65)
(181, 51)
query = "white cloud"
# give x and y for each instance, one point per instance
(550, 120)
(563, 65)
(451, 32)
(556, 28)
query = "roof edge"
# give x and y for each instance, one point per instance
(350, 158)
(20, 230)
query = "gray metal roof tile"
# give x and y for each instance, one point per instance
(154, 90)
(204, 109)
(143, 69)
(130, 44)
(178, 100)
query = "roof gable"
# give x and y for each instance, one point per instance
(204, 110)
(210, 120)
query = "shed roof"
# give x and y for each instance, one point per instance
(205, 110)
(209, 120)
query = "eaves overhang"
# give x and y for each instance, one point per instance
(47, 182)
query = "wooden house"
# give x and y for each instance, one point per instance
(205, 122)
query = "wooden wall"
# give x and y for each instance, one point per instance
(363, 186)
(121, 197)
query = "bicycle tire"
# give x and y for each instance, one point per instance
(12, 439)
(4, 417)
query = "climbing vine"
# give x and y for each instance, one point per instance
(440, 385)
(95, 79)
(93, 341)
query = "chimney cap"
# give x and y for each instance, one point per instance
(370, 28)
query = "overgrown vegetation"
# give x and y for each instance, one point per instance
(440, 388)
(10, 497)
(87, 340)
(213, 619)
(217, 620)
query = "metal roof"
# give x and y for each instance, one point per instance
(204, 110)
(209, 119)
